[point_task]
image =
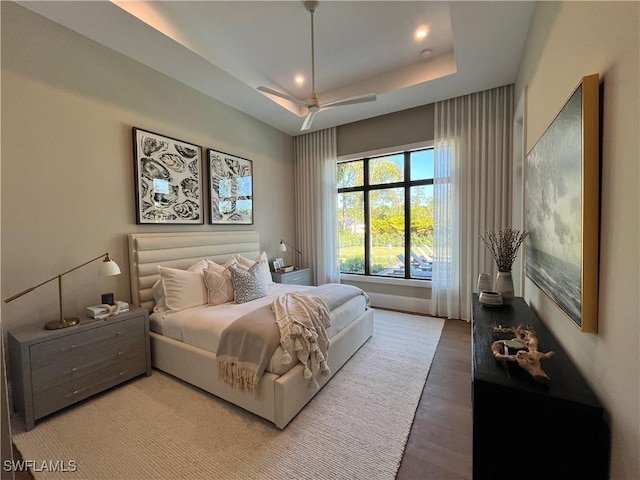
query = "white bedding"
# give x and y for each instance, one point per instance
(202, 326)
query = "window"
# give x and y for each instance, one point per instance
(385, 215)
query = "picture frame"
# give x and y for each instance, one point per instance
(168, 179)
(562, 207)
(278, 263)
(230, 189)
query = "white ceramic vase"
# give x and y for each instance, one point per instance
(504, 285)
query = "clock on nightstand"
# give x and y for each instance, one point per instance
(301, 276)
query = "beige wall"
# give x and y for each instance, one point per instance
(392, 130)
(68, 105)
(566, 42)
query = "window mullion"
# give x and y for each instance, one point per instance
(407, 215)
(367, 222)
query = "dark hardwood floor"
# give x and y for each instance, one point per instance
(439, 444)
(440, 441)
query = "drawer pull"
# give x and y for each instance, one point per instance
(71, 371)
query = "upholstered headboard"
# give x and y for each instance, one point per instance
(180, 250)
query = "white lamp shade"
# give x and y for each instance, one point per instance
(283, 247)
(109, 268)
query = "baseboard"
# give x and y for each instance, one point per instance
(397, 302)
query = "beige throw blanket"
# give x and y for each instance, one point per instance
(296, 321)
(303, 320)
(245, 348)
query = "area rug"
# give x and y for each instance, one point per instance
(159, 427)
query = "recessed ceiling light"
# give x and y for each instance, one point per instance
(299, 79)
(421, 33)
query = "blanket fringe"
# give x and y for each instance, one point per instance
(241, 378)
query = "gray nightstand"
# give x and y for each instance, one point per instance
(296, 277)
(52, 369)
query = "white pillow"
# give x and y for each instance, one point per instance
(158, 295)
(199, 266)
(248, 284)
(158, 289)
(216, 267)
(263, 266)
(217, 279)
(182, 288)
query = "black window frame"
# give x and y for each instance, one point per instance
(366, 187)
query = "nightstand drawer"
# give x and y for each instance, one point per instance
(83, 343)
(297, 278)
(72, 392)
(83, 363)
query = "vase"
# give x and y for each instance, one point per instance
(484, 283)
(504, 285)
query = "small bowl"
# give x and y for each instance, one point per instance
(491, 299)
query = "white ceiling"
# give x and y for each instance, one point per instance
(225, 49)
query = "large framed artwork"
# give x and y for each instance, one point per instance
(230, 189)
(168, 180)
(562, 207)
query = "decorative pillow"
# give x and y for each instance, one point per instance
(158, 289)
(248, 284)
(217, 278)
(182, 288)
(263, 263)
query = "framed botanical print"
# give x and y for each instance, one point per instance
(168, 179)
(230, 189)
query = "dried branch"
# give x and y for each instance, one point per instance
(504, 246)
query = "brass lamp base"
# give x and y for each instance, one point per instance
(64, 323)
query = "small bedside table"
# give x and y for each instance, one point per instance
(301, 276)
(52, 369)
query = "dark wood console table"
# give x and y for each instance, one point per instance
(526, 429)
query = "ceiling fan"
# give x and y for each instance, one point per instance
(313, 106)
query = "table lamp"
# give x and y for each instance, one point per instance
(108, 268)
(283, 248)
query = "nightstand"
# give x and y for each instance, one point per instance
(301, 276)
(52, 369)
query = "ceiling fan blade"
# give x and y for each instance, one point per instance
(282, 95)
(309, 119)
(369, 97)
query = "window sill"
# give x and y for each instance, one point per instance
(386, 280)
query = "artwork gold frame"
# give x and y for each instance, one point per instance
(562, 207)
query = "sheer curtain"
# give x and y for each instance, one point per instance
(315, 196)
(472, 192)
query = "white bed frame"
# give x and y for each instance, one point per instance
(281, 397)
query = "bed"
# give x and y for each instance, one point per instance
(190, 356)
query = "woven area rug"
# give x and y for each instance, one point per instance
(158, 427)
